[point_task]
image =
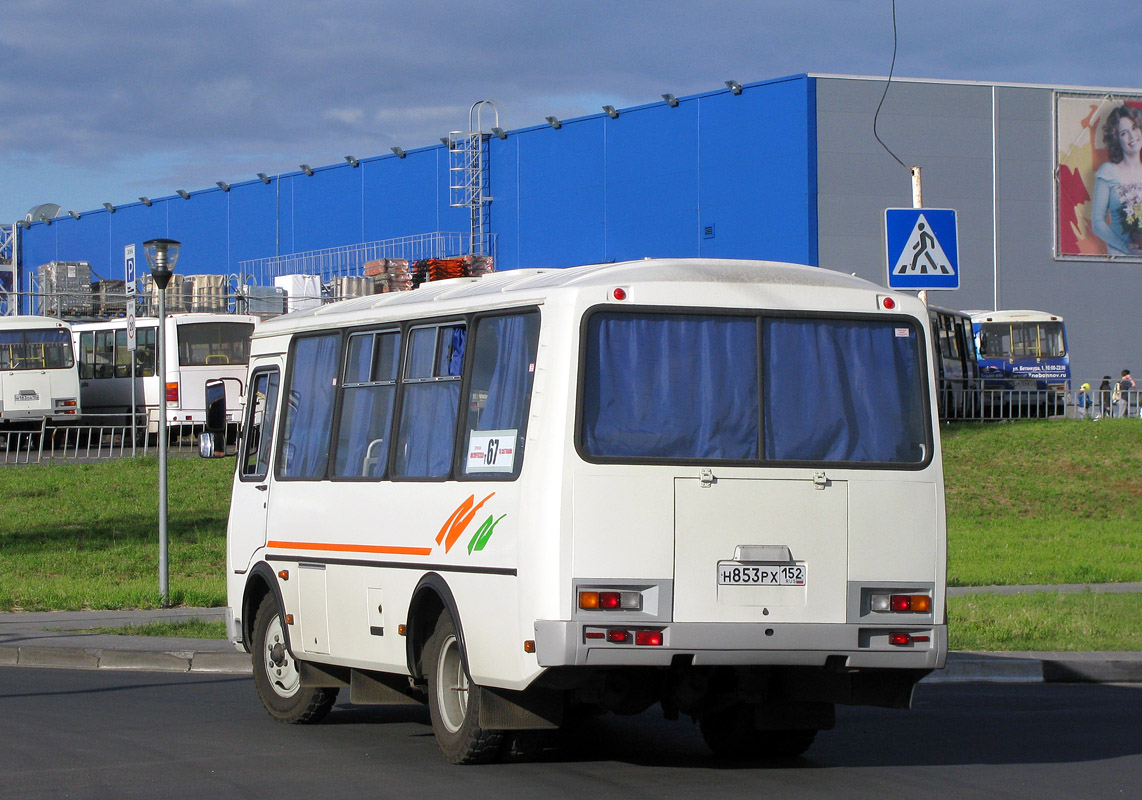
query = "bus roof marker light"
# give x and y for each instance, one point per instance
(619, 293)
(886, 302)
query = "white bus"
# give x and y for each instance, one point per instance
(38, 378)
(712, 485)
(199, 347)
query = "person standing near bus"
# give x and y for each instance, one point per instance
(1084, 402)
(1126, 385)
(1104, 392)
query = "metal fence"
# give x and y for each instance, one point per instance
(94, 438)
(956, 403)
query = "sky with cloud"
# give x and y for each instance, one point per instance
(107, 101)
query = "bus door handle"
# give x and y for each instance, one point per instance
(262, 487)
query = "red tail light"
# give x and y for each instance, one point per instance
(648, 638)
(172, 392)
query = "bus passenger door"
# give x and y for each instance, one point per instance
(250, 503)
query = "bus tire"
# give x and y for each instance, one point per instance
(731, 733)
(454, 701)
(277, 673)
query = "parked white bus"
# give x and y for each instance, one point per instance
(38, 378)
(199, 347)
(714, 485)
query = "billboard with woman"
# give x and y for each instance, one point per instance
(1098, 176)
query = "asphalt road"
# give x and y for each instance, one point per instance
(120, 734)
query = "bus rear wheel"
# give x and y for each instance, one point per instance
(277, 674)
(454, 701)
(731, 733)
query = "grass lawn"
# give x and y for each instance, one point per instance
(1044, 502)
(76, 536)
(1042, 621)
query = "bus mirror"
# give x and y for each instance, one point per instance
(216, 408)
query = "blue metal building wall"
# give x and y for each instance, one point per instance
(719, 175)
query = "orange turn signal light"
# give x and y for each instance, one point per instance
(588, 600)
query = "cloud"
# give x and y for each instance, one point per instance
(217, 88)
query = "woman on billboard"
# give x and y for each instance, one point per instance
(1117, 211)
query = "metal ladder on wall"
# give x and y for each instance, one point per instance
(8, 289)
(468, 174)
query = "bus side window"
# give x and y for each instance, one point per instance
(86, 355)
(308, 418)
(259, 426)
(145, 352)
(104, 354)
(503, 366)
(367, 400)
(430, 401)
(122, 355)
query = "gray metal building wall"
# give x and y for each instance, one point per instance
(947, 129)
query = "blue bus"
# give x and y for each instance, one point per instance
(1023, 361)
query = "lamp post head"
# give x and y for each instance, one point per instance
(162, 255)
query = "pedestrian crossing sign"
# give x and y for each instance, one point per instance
(922, 247)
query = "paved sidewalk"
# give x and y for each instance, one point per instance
(59, 639)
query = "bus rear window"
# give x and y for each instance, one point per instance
(210, 343)
(698, 387)
(35, 349)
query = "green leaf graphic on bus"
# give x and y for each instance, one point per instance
(483, 534)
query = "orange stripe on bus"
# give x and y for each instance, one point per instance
(355, 548)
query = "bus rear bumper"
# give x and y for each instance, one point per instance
(561, 643)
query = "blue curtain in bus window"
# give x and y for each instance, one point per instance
(451, 351)
(363, 440)
(510, 385)
(840, 390)
(427, 429)
(310, 413)
(671, 386)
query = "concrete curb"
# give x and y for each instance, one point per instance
(142, 660)
(973, 667)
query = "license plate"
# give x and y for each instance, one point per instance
(732, 573)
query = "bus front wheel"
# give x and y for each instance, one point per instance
(454, 701)
(277, 673)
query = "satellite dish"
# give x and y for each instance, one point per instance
(43, 211)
